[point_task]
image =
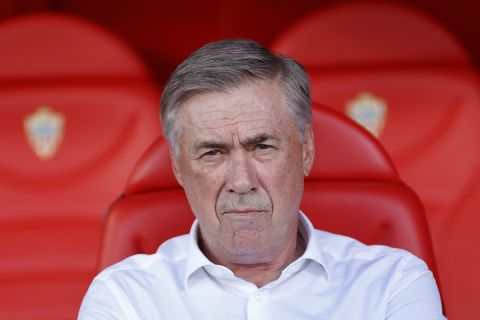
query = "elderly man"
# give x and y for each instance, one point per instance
(237, 118)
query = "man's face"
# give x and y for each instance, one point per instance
(242, 165)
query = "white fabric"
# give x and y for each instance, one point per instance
(336, 278)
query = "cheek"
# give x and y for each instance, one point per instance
(202, 191)
(284, 184)
(287, 187)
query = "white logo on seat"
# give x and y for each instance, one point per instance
(44, 130)
(369, 111)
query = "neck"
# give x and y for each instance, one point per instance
(262, 273)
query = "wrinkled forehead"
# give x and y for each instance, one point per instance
(251, 109)
(250, 102)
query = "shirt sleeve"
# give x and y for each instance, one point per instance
(100, 304)
(415, 295)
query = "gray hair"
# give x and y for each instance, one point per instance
(222, 65)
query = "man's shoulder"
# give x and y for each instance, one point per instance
(346, 249)
(169, 256)
(128, 288)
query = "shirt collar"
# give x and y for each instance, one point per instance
(197, 260)
(313, 251)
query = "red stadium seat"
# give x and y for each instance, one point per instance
(367, 34)
(77, 110)
(353, 189)
(412, 85)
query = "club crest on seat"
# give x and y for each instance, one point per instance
(369, 111)
(44, 131)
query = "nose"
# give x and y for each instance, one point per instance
(242, 175)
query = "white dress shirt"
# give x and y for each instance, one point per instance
(336, 278)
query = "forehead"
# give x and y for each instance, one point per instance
(258, 105)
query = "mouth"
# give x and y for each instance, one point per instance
(243, 213)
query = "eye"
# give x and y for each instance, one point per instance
(262, 146)
(211, 154)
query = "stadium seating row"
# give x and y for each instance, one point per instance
(79, 108)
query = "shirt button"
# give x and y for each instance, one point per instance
(258, 297)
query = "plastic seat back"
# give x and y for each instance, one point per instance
(77, 110)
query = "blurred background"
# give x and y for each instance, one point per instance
(80, 83)
(165, 32)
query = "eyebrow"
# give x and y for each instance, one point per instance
(208, 144)
(258, 139)
(211, 145)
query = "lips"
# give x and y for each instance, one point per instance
(244, 212)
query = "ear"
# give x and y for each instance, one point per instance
(176, 168)
(308, 151)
